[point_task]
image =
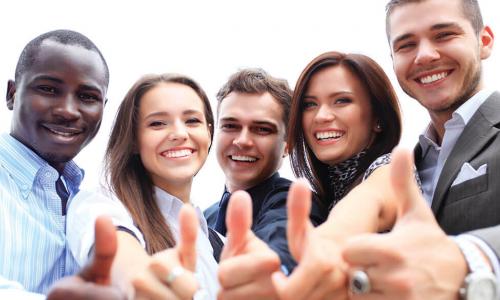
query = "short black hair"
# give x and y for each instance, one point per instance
(62, 36)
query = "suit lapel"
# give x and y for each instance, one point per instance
(476, 134)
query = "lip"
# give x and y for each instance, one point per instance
(328, 135)
(178, 152)
(239, 158)
(431, 78)
(63, 134)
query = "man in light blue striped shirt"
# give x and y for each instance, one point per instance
(57, 99)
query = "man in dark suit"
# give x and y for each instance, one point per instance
(252, 112)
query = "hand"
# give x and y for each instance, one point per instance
(152, 282)
(246, 262)
(93, 282)
(416, 260)
(320, 270)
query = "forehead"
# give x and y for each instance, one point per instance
(251, 107)
(419, 16)
(70, 63)
(170, 98)
(333, 79)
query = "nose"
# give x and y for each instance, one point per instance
(325, 114)
(68, 108)
(178, 131)
(243, 139)
(426, 53)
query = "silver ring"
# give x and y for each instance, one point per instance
(176, 272)
(359, 283)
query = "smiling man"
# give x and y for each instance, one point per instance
(57, 99)
(253, 109)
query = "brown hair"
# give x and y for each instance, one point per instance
(258, 81)
(385, 108)
(470, 9)
(125, 173)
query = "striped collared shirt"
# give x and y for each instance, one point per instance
(33, 246)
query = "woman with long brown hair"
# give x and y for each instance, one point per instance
(160, 139)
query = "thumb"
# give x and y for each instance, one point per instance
(412, 205)
(98, 270)
(238, 221)
(299, 225)
(188, 222)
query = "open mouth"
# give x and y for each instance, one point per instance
(177, 153)
(62, 131)
(328, 135)
(433, 78)
(243, 158)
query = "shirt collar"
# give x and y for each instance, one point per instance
(462, 115)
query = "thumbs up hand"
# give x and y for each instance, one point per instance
(416, 260)
(246, 262)
(320, 273)
(170, 273)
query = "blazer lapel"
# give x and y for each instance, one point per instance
(476, 134)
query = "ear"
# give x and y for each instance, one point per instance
(377, 127)
(486, 39)
(285, 151)
(11, 94)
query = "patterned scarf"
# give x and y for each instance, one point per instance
(342, 175)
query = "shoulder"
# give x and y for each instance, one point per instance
(377, 163)
(210, 213)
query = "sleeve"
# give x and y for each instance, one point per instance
(488, 239)
(270, 226)
(83, 210)
(14, 290)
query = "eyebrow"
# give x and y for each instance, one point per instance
(434, 27)
(334, 94)
(60, 81)
(166, 114)
(257, 122)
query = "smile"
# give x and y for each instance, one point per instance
(326, 135)
(432, 78)
(243, 158)
(177, 153)
(62, 131)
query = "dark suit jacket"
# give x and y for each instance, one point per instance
(270, 215)
(473, 205)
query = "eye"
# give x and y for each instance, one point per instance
(262, 130)
(405, 46)
(308, 105)
(343, 101)
(156, 124)
(46, 89)
(193, 121)
(86, 97)
(229, 127)
(445, 35)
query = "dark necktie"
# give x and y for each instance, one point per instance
(62, 192)
(220, 223)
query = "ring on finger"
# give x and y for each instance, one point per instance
(174, 273)
(359, 283)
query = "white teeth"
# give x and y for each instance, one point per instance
(432, 78)
(67, 134)
(178, 153)
(243, 158)
(328, 135)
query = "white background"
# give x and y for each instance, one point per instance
(209, 40)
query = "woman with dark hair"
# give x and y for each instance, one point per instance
(344, 115)
(345, 121)
(160, 139)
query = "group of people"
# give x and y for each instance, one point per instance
(365, 222)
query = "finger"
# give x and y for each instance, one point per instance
(299, 207)
(188, 231)
(366, 250)
(148, 287)
(73, 287)
(238, 221)
(99, 268)
(412, 204)
(261, 288)
(333, 286)
(255, 266)
(185, 285)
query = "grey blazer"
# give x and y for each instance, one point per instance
(473, 205)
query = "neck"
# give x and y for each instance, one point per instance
(181, 191)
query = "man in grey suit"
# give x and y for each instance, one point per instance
(437, 47)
